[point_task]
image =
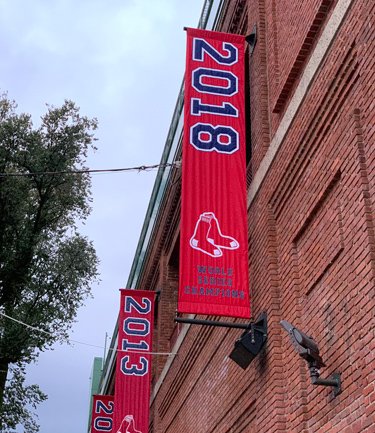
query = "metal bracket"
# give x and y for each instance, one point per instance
(334, 380)
(251, 39)
(260, 325)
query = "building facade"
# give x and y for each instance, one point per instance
(311, 201)
(95, 376)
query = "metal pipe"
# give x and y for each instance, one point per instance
(334, 380)
(212, 323)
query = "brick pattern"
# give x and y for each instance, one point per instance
(303, 53)
(166, 310)
(259, 112)
(311, 241)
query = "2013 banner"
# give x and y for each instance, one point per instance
(102, 414)
(213, 243)
(133, 364)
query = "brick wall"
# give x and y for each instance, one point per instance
(311, 236)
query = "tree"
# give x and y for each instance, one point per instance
(18, 397)
(46, 266)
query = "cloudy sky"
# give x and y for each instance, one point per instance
(121, 62)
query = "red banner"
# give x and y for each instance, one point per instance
(133, 366)
(102, 414)
(213, 245)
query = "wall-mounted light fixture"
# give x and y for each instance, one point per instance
(251, 342)
(309, 350)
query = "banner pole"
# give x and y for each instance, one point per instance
(212, 323)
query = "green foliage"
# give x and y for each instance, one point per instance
(19, 400)
(46, 266)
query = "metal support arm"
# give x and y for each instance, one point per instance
(212, 323)
(334, 380)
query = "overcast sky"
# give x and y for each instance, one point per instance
(121, 62)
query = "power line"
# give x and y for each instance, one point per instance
(104, 170)
(83, 343)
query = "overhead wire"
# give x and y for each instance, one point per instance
(83, 343)
(93, 171)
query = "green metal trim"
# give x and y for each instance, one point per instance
(95, 380)
(163, 174)
(172, 149)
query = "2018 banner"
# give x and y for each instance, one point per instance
(133, 365)
(102, 414)
(213, 244)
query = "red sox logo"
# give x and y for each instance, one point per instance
(208, 237)
(130, 427)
